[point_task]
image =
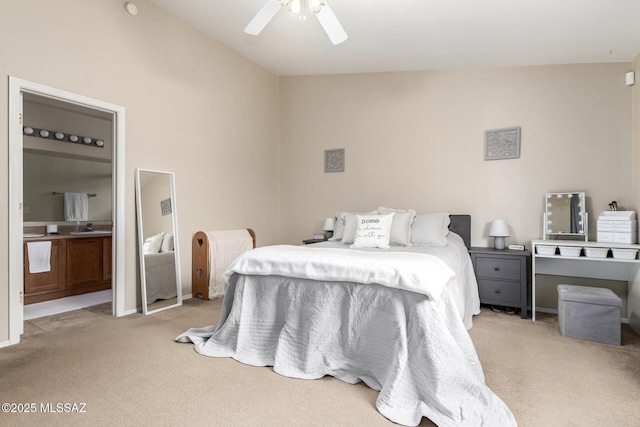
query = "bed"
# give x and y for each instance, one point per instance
(160, 276)
(370, 315)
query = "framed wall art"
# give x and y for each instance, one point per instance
(165, 206)
(502, 144)
(334, 160)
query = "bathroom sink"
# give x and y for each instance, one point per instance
(30, 235)
(91, 232)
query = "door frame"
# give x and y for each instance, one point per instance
(16, 259)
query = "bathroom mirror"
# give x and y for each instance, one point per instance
(565, 216)
(158, 240)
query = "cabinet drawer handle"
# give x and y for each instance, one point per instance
(496, 268)
(498, 291)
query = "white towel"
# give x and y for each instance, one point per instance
(224, 248)
(76, 207)
(39, 256)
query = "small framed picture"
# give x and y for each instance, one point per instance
(334, 160)
(165, 207)
(502, 144)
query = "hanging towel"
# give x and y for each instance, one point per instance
(76, 207)
(39, 256)
(224, 248)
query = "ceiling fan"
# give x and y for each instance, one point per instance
(319, 8)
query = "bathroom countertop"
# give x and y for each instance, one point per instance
(46, 237)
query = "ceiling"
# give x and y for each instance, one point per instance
(406, 35)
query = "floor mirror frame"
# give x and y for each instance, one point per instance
(152, 210)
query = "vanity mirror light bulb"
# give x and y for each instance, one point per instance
(59, 135)
(44, 133)
(28, 130)
(100, 143)
(87, 140)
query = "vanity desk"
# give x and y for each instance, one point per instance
(546, 259)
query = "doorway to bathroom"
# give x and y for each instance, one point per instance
(33, 163)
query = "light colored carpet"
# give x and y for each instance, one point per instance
(129, 371)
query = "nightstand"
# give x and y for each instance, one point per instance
(312, 241)
(503, 276)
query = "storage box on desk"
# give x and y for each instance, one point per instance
(618, 227)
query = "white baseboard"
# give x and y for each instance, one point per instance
(6, 344)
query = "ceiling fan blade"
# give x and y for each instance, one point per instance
(331, 25)
(263, 17)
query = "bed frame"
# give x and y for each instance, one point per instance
(461, 225)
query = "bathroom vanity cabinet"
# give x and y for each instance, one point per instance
(79, 264)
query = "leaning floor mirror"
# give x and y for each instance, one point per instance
(158, 240)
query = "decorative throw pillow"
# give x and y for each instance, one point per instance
(152, 244)
(430, 229)
(401, 228)
(167, 243)
(373, 231)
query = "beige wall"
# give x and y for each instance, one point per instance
(192, 107)
(416, 140)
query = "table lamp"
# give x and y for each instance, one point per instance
(329, 223)
(499, 230)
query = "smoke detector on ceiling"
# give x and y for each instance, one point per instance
(131, 8)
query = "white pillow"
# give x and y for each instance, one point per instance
(152, 244)
(167, 243)
(338, 228)
(401, 228)
(350, 227)
(345, 228)
(430, 229)
(373, 231)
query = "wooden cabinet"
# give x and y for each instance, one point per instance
(503, 276)
(78, 265)
(53, 280)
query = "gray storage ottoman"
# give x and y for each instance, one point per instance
(589, 313)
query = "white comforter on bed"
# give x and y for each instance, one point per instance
(413, 349)
(415, 272)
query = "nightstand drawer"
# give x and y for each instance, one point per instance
(496, 291)
(498, 268)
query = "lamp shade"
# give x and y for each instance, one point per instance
(499, 228)
(329, 223)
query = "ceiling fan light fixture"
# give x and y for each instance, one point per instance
(320, 8)
(295, 6)
(315, 5)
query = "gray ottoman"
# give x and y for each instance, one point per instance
(589, 313)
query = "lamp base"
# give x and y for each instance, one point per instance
(499, 243)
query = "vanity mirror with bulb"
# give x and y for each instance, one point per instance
(566, 216)
(158, 240)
